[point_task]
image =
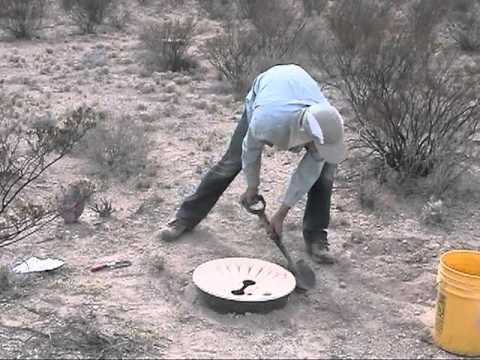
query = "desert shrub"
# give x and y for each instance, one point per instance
(283, 26)
(465, 27)
(66, 5)
(411, 108)
(88, 14)
(166, 44)
(462, 5)
(368, 193)
(5, 279)
(311, 6)
(118, 146)
(120, 18)
(22, 18)
(240, 54)
(235, 56)
(72, 200)
(219, 9)
(28, 148)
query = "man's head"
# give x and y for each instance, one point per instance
(325, 125)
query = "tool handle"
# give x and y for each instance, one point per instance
(98, 267)
(276, 238)
(256, 211)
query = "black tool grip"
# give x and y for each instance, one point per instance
(250, 206)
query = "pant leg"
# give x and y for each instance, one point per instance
(317, 211)
(197, 206)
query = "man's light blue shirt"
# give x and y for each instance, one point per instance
(274, 108)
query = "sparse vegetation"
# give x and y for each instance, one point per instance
(157, 262)
(240, 55)
(88, 14)
(28, 148)
(219, 9)
(118, 146)
(433, 212)
(368, 194)
(250, 47)
(411, 108)
(465, 28)
(73, 198)
(282, 29)
(167, 43)
(103, 208)
(314, 6)
(120, 18)
(22, 18)
(5, 279)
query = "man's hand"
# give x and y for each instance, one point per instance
(250, 196)
(276, 222)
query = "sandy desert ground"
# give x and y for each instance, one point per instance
(376, 302)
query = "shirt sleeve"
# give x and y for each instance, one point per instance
(251, 159)
(303, 178)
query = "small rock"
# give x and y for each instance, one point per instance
(142, 107)
(49, 50)
(171, 87)
(357, 237)
(158, 262)
(78, 67)
(145, 88)
(184, 80)
(342, 285)
(388, 259)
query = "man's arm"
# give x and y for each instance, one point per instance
(303, 178)
(251, 159)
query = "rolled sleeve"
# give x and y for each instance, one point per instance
(303, 178)
(251, 159)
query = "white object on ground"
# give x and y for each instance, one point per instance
(35, 264)
(222, 276)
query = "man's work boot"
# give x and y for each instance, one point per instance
(318, 249)
(174, 230)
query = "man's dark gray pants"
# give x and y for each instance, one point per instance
(197, 206)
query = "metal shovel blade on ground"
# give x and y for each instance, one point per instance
(303, 273)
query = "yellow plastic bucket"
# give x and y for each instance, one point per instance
(457, 319)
